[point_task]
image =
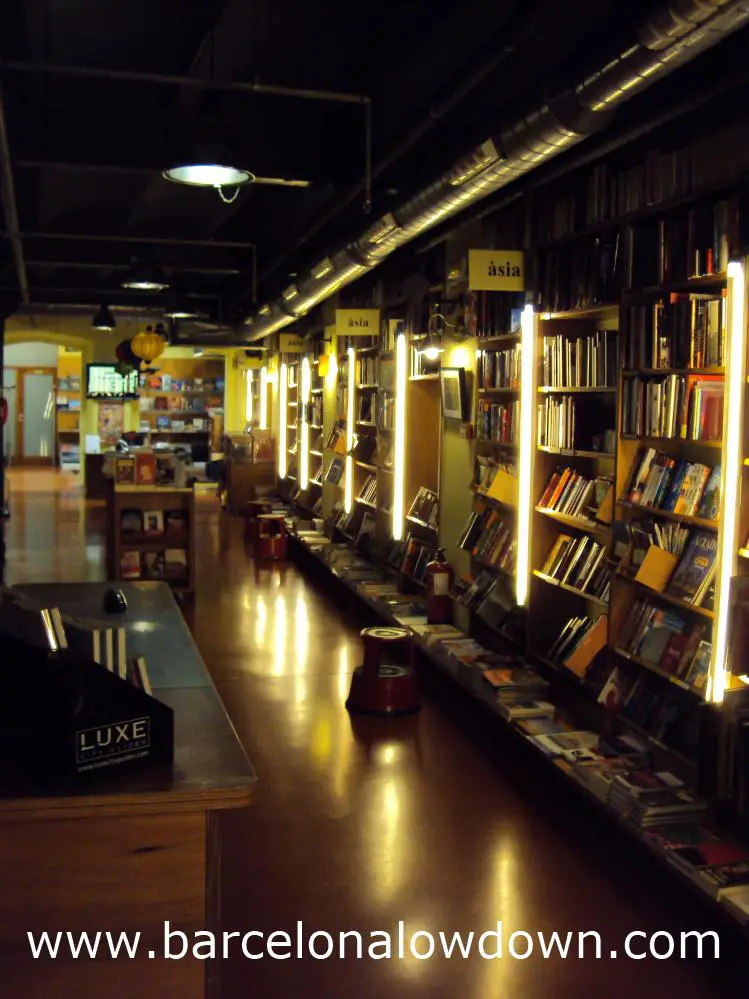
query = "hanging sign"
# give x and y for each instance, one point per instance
(496, 270)
(357, 322)
(290, 343)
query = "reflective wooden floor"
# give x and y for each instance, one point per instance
(356, 826)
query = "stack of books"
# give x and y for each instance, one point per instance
(663, 639)
(556, 423)
(648, 798)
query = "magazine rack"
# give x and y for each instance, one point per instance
(64, 717)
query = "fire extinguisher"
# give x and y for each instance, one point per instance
(3, 410)
(439, 583)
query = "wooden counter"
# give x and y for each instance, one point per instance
(129, 851)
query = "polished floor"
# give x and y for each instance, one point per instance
(357, 825)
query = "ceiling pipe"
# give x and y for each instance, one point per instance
(216, 244)
(173, 80)
(10, 207)
(677, 33)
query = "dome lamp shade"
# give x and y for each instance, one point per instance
(103, 320)
(145, 275)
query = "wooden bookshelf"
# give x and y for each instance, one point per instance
(149, 500)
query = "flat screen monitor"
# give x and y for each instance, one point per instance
(104, 382)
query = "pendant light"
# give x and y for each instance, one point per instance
(145, 275)
(203, 157)
(178, 306)
(103, 320)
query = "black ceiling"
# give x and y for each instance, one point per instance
(86, 151)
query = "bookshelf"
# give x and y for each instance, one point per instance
(183, 402)
(574, 463)
(68, 411)
(151, 535)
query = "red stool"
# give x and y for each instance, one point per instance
(271, 536)
(252, 510)
(379, 687)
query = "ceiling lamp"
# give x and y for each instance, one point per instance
(103, 320)
(178, 306)
(145, 275)
(203, 159)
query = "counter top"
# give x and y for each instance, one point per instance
(210, 771)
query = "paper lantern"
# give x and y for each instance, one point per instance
(148, 345)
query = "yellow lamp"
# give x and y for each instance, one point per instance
(323, 363)
(148, 344)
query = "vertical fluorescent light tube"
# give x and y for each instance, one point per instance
(248, 397)
(263, 398)
(283, 416)
(348, 500)
(304, 426)
(526, 447)
(399, 457)
(731, 463)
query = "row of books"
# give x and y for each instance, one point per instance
(693, 243)
(581, 362)
(366, 369)
(685, 331)
(145, 467)
(578, 643)
(368, 492)
(168, 383)
(173, 403)
(580, 563)
(315, 414)
(556, 422)
(366, 407)
(411, 557)
(497, 313)
(486, 470)
(425, 507)
(153, 523)
(575, 495)
(662, 482)
(664, 639)
(168, 563)
(498, 421)
(490, 538)
(688, 407)
(389, 330)
(386, 411)
(587, 272)
(693, 577)
(499, 368)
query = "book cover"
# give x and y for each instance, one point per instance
(709, 508)
(699, 669)
(125, 470)
(131, 522)
(145, 465)
(153, 523)
(695, 565)
(130, 565)
(154, 565)
(175, 563)
(175, 523)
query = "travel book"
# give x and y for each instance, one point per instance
(693, 575)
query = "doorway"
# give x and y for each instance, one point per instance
(32, 418)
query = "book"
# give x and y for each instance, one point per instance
(130, 565)
(510, 710)
(175, 560)
(154, 565)
(335, 471)
(697, 565)
(131, 522)
(145, 468)
(153, 523)
(124, 474)
(175, 523)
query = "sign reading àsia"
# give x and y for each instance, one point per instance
(496, 270)
(357, 322)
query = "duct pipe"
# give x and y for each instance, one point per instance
(677, 33)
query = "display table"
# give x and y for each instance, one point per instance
(130, 851)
